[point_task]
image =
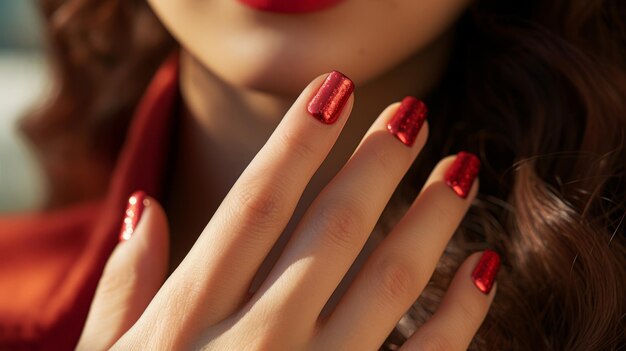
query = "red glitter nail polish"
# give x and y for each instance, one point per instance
(136, 204)
(331, 97)
(486, 270)
(461, 174)
(408, 120)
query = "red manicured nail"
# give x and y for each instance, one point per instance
(408, 120)
(136, 204)
(331, 97)
(486, 270)
(461, 174)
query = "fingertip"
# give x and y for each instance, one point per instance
(144, 250)
(133, 274)
(144, 234)
(459, 174)
(407, 121)
(403, 125)
(135, 206)
(151, 237)
(485, 271)
(144, 216)
(329, 102)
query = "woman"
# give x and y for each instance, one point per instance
(534, 89)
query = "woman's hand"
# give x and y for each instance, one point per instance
(206, 303)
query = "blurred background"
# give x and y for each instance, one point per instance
(24, 82)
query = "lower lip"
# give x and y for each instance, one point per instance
(290, 6)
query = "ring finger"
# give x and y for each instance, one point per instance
(400, 267)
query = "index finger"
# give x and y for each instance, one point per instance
(260, 204)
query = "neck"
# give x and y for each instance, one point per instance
(224, 126)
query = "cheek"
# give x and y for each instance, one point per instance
(281, 53)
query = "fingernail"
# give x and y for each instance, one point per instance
(136, 204)
(331, 97)
(461, 174)
(486, 270)
(408, 120)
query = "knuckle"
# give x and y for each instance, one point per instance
(395, 278)
(340, 225)
(258, 207)
(298, 145)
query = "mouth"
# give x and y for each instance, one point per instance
(290, 6)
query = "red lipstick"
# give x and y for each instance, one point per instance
(290, 6)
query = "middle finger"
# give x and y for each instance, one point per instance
(336, 226)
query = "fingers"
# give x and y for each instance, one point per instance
(463, 308)
(340, 220)
(260, 204)
(401, 266)
(131, 277)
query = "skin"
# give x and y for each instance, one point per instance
(240, 73)
(255, 82)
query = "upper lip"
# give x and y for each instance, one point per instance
(290, 6)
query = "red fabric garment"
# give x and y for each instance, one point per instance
(50, 263)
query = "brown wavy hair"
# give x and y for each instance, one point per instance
(536, 88)
(103, 55)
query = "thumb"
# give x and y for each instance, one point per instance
(132, 276)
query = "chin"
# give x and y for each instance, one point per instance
(282, 60)
(265, 68)
(280, 53)
(285, 65)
